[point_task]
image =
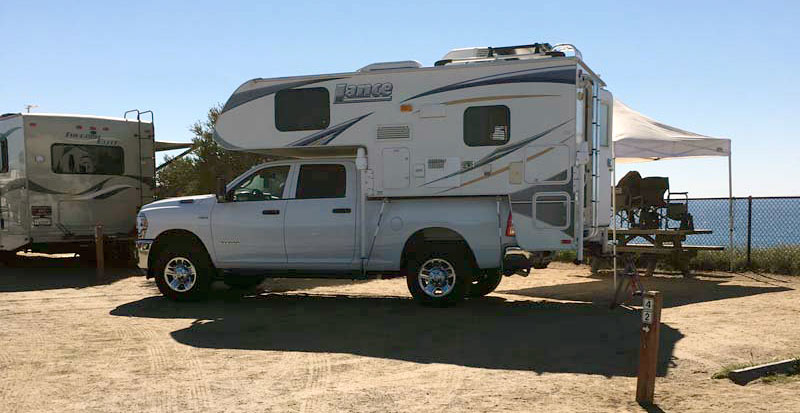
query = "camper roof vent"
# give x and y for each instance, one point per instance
(490, 54)
(403, 64)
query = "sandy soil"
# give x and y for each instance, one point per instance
(543, 343)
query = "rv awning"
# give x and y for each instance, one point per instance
(638, 138)
(168, 146)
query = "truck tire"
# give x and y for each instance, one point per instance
(7, 257)
(439, 276)
(484, 283)
(183, 271)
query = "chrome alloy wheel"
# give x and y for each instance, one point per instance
(436, 277)
(180, 274)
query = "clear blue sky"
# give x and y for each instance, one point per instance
(722, 68)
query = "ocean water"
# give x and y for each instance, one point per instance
(774, 222)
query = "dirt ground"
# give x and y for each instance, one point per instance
(543, 343)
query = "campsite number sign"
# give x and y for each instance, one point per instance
(647, 310)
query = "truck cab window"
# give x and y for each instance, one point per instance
(302, 109)
(322, 181)
(487, 125)
(87, 159)
(264, 185)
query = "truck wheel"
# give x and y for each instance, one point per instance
(439, 277)
(484, 283)
(183, 272)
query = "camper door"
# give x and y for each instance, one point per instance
(542, 214)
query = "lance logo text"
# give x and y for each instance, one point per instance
(375, 92)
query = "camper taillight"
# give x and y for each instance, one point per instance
(510, 232)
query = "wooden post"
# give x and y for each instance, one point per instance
(648, 348)
(99, 254)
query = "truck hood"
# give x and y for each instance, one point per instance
(194, 201)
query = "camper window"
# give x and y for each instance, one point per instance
(3, 155)
(604, 125)
(322, 181)
(264, 185)
(87, 159)
(487, 125)
(302, 109)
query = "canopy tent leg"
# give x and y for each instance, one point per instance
(614, 215)
(730, 213)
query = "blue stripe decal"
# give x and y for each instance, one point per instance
(324, 136)
(501, 152)
(560, 74)
(241, 98)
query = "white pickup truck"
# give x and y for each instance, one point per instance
(300, 218)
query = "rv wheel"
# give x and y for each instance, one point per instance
(440, 277)
(484, 283)
(183, 272)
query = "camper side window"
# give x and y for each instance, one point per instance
(487, 125)
(604, 125)
(87, 159)
(302, 109)
(3, 155)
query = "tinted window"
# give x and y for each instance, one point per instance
(87, 159)
(302, 109)
(3, 155)
(264, 185)
(321, 181)
(487, 125)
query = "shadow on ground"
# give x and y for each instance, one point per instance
(488, 333)
(677, 291)
(40, 272)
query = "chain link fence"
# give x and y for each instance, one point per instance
(766, 233)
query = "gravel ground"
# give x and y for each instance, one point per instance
(543, 343)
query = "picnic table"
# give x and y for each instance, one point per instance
(661, 244)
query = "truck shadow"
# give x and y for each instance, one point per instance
(487, 333)
(48, 272)
(676, 291)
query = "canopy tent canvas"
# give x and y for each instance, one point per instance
(638, 138)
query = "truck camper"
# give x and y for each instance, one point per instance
(452, 175)
(61, 175)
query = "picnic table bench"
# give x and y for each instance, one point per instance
(661, 243)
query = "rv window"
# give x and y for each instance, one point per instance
(302, 109)
(604, 125)
(87, 159)
(3, 155)
(322, 181)
(264, 185)
(487, 125)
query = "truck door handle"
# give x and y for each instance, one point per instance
(341, 210)
(271, 212)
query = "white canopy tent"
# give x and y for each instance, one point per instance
(638, 138)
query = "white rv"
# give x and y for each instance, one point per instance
(439, 173)
(61, 175)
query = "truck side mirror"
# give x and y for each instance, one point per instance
(222, 195)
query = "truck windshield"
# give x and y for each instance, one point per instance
(87, 159)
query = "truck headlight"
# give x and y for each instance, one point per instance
(141, 225)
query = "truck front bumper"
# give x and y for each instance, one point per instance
(143, 252)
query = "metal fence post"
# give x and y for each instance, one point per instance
(749, 229)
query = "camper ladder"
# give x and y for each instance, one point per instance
(595, 151)
(139, 138)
